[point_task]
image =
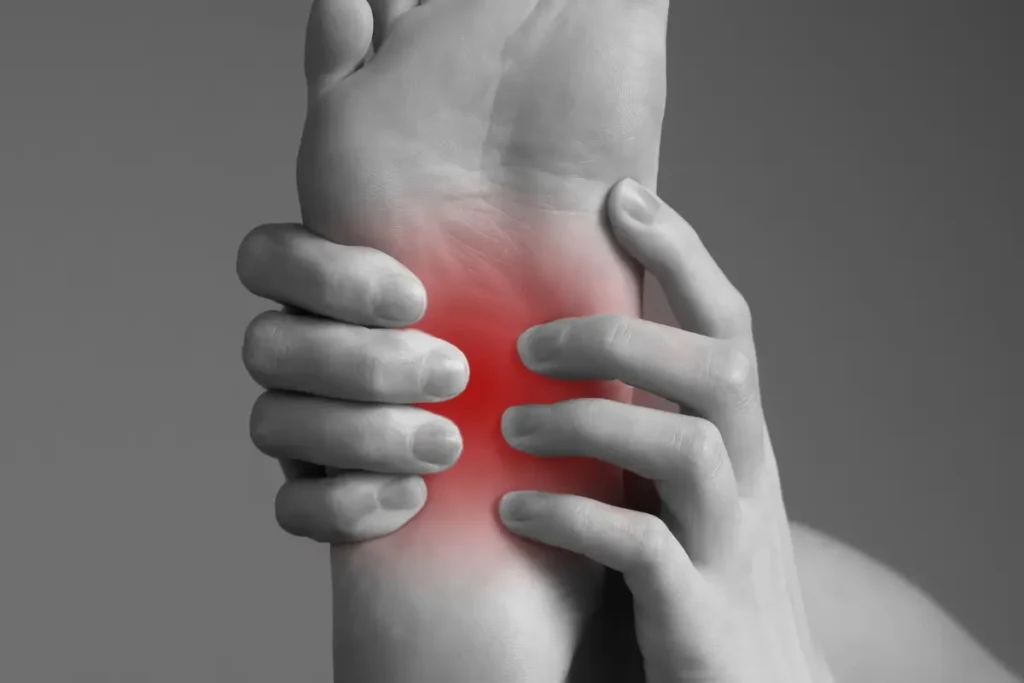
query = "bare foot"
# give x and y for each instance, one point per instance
(477, 145)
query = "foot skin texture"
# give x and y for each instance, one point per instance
(475, 141)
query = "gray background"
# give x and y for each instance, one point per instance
(856, 170)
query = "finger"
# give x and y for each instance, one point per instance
(639, 545)
(353, 507)
(685, 457)
(353, 436)
(335, 360)
(297, 469)
(338, 37)
(715, 378)
(701, 297)
(290, 265)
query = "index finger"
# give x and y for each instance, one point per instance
(700, 295)
(286, 263)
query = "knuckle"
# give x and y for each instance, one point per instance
(327, 514)
(266, 345)
(733, 375)
(739, 316)
(318, 289)
(579, 513)
(390, 423)
(392, 364)
(680, 443)
(575, 509)
(707, 450)
(372, 372)
(373, 443)
(697, 450)
(346, 508)
(581, 413)
(653, 539)
(341, 287)
(614, 333)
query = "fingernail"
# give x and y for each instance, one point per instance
(639, 203)
(540, 344)
(446, 375)
(519, 506)
(519, 422)
(437, 443)
(399, 300)
(404, 494)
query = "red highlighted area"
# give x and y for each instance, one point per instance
(483, 292)
(465, 497)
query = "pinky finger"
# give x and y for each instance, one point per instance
(639, 545)
(349, 508)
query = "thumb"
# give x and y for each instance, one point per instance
(338, 36)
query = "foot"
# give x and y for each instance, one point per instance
(475, 141)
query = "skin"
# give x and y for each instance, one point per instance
(701, 572)
(712, 576)
(492, 177)
(563, 98)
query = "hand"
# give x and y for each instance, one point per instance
(331, 410)
(715, 590)
(336, 372)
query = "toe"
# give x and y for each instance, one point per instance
(338, 36)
